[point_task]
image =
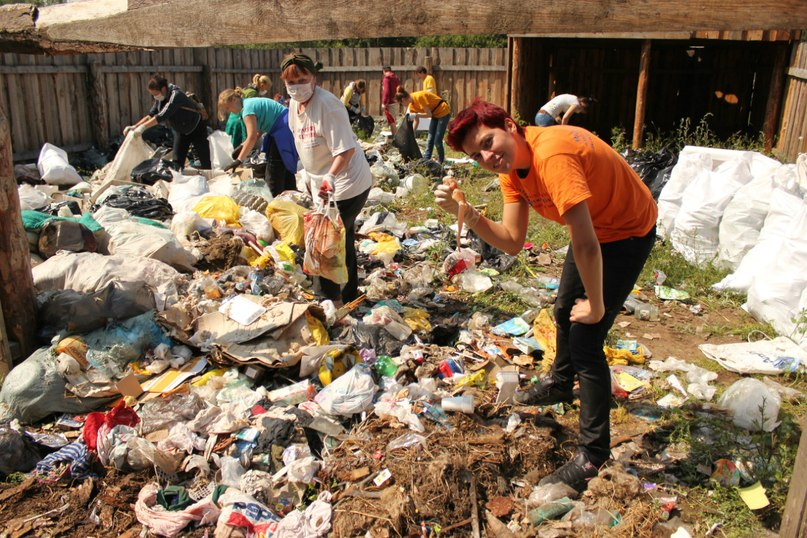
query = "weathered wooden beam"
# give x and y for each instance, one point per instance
(641, 94)
(16, 279)
(164, 23)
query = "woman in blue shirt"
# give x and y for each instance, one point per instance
(267, 116)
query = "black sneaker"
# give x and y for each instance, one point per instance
(544, 392)
(576, 473)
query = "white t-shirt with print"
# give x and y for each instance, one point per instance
(321, 133)
(560, 104)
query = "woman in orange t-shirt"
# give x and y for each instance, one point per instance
(570, 176)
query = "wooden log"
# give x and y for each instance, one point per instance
(641, 94)
(6, 360)
(794, 520)
(774, 103)
(16, 279)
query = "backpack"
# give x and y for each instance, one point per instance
(200, 107)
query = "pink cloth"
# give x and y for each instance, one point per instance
(164, 523)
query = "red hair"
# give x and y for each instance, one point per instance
(479, 112)
(294, 72)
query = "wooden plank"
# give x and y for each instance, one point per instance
(40, 69)
(114, 124)
(794, 520)
(49, 111)
(69, 128)
(774, 100)
(641, 95)
(74, 24)
(797, 72)
(33, 106)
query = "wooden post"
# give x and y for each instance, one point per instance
(98, 114)
(774, 104)
(16, 279)
(206, 91)
(641, 95)
(514, 83)
(794, 521)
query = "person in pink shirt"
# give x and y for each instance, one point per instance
(389, 84)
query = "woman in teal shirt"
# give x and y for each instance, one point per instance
(267, 116)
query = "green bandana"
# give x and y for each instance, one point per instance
(301, 60)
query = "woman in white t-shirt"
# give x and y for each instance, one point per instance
(563, 106)
(331, 156)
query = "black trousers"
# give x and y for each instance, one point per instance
(348, 211)
(579, 346)
(278, 177)
(182, 144)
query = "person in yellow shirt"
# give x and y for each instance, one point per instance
(570, 176)
(429, 84)
(431, 105)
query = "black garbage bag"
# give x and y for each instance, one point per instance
(76, 312)
(657, 183)
(375, 337)
(405, 140)
(258, 162)
(154, 169)
(364, 125)
(139, 202)
(20, 452)
(69, 235)
(160, 136)
(649, 163)
(89, 160)
(429, 168)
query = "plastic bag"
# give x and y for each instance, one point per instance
(32, 198)
(257, 223)
(186, 191)
(151, 170)
(352, 393)
(288, 221)
(325, 244)
(219, 208)
(405, 140)
(221, 149)
(386, 247)
(755, 406)
(54, 167)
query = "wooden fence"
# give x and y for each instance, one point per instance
(80, 100)
(793, 131)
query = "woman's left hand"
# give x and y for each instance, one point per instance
(583, 312)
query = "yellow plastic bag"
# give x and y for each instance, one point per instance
(287, 221)
(220, 208)
(325, 244)
(335, 363)
(417, 319)
(318, 331)
(386, 247)
(546, 335)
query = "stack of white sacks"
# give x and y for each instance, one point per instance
(744, 211)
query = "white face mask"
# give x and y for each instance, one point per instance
(300, 92)
(159, 98)
(264, 92)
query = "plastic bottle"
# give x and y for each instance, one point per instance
(385, 366)
(640, 309)
(552, 510)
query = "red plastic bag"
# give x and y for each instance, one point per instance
(325, 244)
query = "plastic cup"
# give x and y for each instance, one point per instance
(463, 404)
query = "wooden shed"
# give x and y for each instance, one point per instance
(644, 81)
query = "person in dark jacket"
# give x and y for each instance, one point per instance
(182, 115)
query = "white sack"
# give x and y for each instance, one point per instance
(695, 234)
(221, 149)
(54, 167)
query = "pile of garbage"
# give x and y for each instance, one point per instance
(186, 349)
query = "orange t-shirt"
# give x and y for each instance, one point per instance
(570, 165)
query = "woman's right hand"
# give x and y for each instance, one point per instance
(443, 195)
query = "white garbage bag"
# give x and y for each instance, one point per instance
(54, 167)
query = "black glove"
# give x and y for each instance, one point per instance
(236, 152)
(235, 164)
